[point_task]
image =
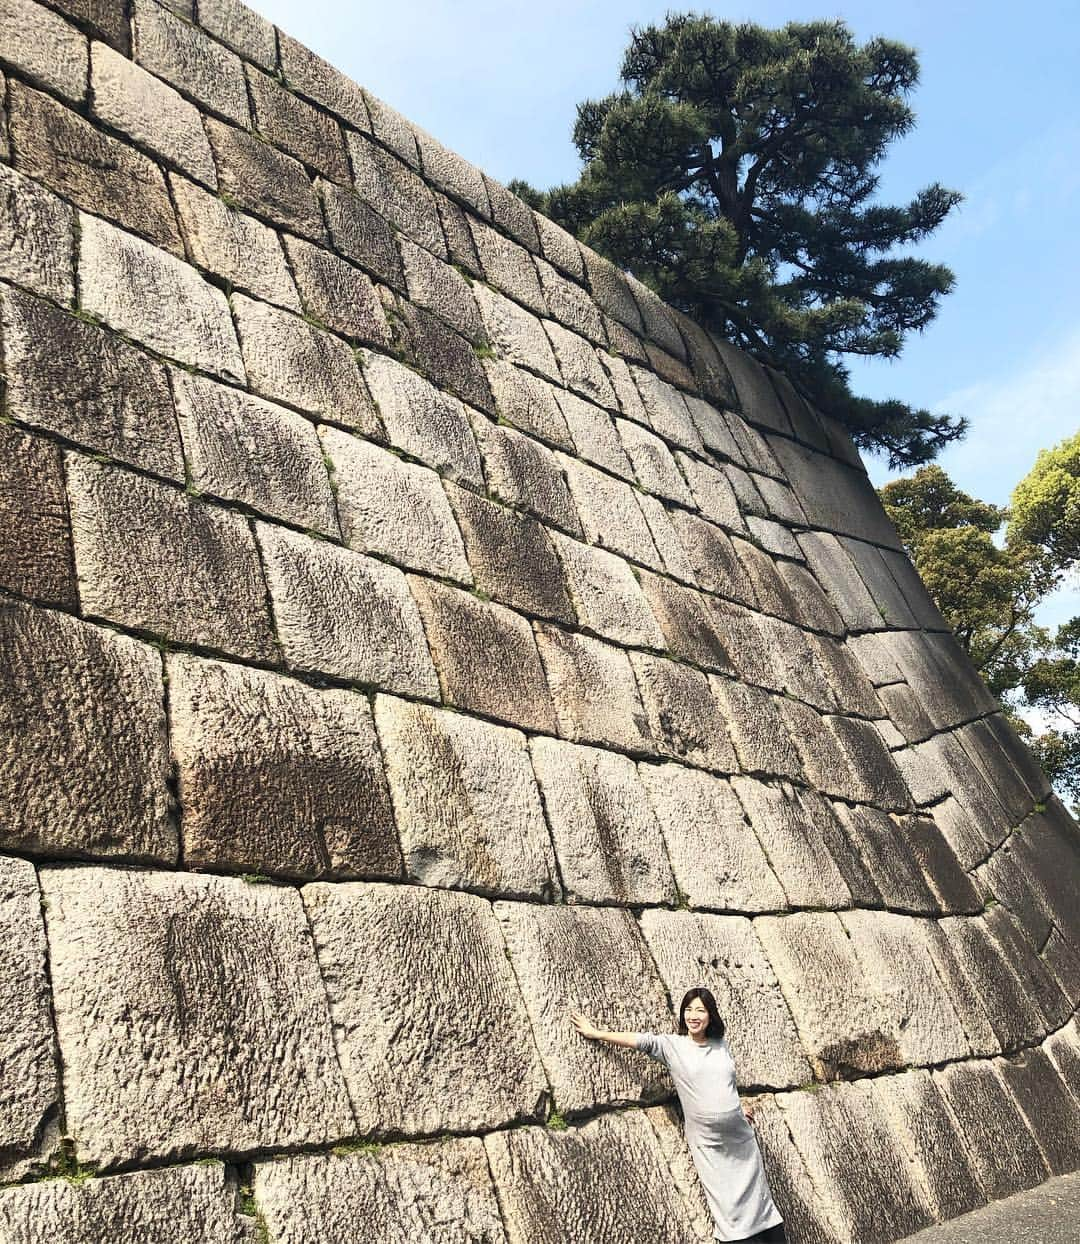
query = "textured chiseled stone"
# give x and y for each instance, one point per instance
(318, 80)
(486, 657)
(559, 247)
(152, 558)
(666, 411)
(713, 558)
(874, 776)
(983, 744)
(724, 954)
(524, 474)
(289, 360)
(218, 979)
(508, 267)
(712, 492)
(152, 114)
(394, 508)
(691, 626)
(592, 959)
(233, 245)
(662, 529)
(762, 742)
(342, 614)
(658, 319)
(1042, 989)
(241, 448)
(609, 845)
(512, 215)
(467, 805)
(360, 233)
(439, 353)
(84, 754)
(653, 464)
(580, 366)
(1051, 1111)
(36, 42)
(451, 173)
(1063, 1050)
(291, 123)
(391, 129)
(780, 500)
(584, 1170)
(717, 858)
(157, 299)
(440, 288)
(35, 540)
(810, 607)
(181, 1205)
(262, 180)
(394, 956)
(609, 512)
(276, 777)
(244, 31)
(459, 238)
(399, 1192)
(180, 53)
(594, 435)
(885, 854)
(37, 237)
(954, 890)
(879, 582)
(622, 381)
(684, 719)
(606, 595)
(594, 691)
(515, 334)
(834, 570)
(611, 290)
(570, 304)
(337, 294)
(396, 193)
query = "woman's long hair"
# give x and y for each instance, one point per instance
(715, 1026)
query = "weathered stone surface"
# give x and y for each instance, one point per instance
(438, 352)
(594, 435)
(608, 843)
(336, 294)
(486, 657)
(512, 557)
(848, 1026)
(459, 239)
(716, 566)
(693, 629)
(724, 954)
(757, 730)
(879, 583)
(662, 529)
(524, 473)
(37, 236)
(939, 673)
(276, 777)
(808, 1210)
(342, 614)
(658, 319)
(218, 979)
(611, 290)
(982, 744)
(1052, 1112)
(653, 464)
(717, 859)
(797, 852)
(580, 365)
(318, 80)
(780, 501)
(133, 536)
(888, 860)
(451, 173)
(606, 595)
(508, 267)
(756, 396)
(608, 1178)
(712, 492)
(394, 508)
(399, 1192)
(106, 19)
(440, 288)
(291, 123)
(1005, 1155)
(360, 233)
(241, 448)
(1047, 853)
(152, 114)
(592, 685)
(834, 570)
(289, 360)
(559, 247)
(684, 718)
(1042, 989)
(954, 890)
(181, 1205)
(1063, 1050)
(35, 540)
(961, 990)
(83, 723)
(570, 304)
(1063, 961)
(392, 129)
(246, 32)
(515, 334)
(467, 805)
(155, 298)
(396, 193)
(37, 43)
(264, 181)
(666, 411)
(591, 959)
(393, 957)
(180, 53)
(754, 509)
(609, 512)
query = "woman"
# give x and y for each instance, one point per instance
(721, 1140)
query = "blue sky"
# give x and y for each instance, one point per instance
(998, 119)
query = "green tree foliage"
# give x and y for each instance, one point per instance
(1046, 503)
(735, 173)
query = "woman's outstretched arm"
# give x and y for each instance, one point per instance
(592, 1033)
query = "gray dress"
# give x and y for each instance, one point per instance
(721, 1141)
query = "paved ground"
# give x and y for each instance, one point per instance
(1048, 1214)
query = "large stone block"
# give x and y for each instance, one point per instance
(430, 1027)
(580, 366)
(289, 360)
(508, 267)
(528, 403)
(666, 411)
(342, 614)
(316, 78)
(713, 493)
(151, 558)
(157, 299)
(1052, 1112)
(762, 742)
(394, 508)
(810, 1213)
(962, 991)
(982, 744)
(440, 288)
(438, 352)
(291, 123)
(570, 304)
(467, 805)
(611, 289)
(559, 247)
(244, 31)
(880, 583)
(392, 130)
(359, 233)
(37, 236)
(211, 982)
(35, 541)
(396, 193)
(692, 627)
(888, 860)
(422, 421)
(241, 448)
(585, 1171)
(516, 335)
(590, 959)
(662, 529)
(594, 434)
(459, 238)
(151, 114)
(524, 474)
(610, 513)
(835, 572)
(451, 173)
(1042, 989)
(723, 954)
(1063, 1050)
(717, 859)
(684, 718)
(181, 1205)
(654, 466)
(953, 888)
(399, 1192)
(592, 685)
(710, 552)
(606, 595)
(36, 42)
(276, 777)
(1047, 851)
(608, 843)
(337, 294)
(874, 777)
(84, 764)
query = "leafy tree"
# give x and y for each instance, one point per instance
(735, 173)
(1046, 503)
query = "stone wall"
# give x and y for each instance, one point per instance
(412, 630)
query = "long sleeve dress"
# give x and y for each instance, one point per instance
(721, 1141)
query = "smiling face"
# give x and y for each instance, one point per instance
(695, 1017)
